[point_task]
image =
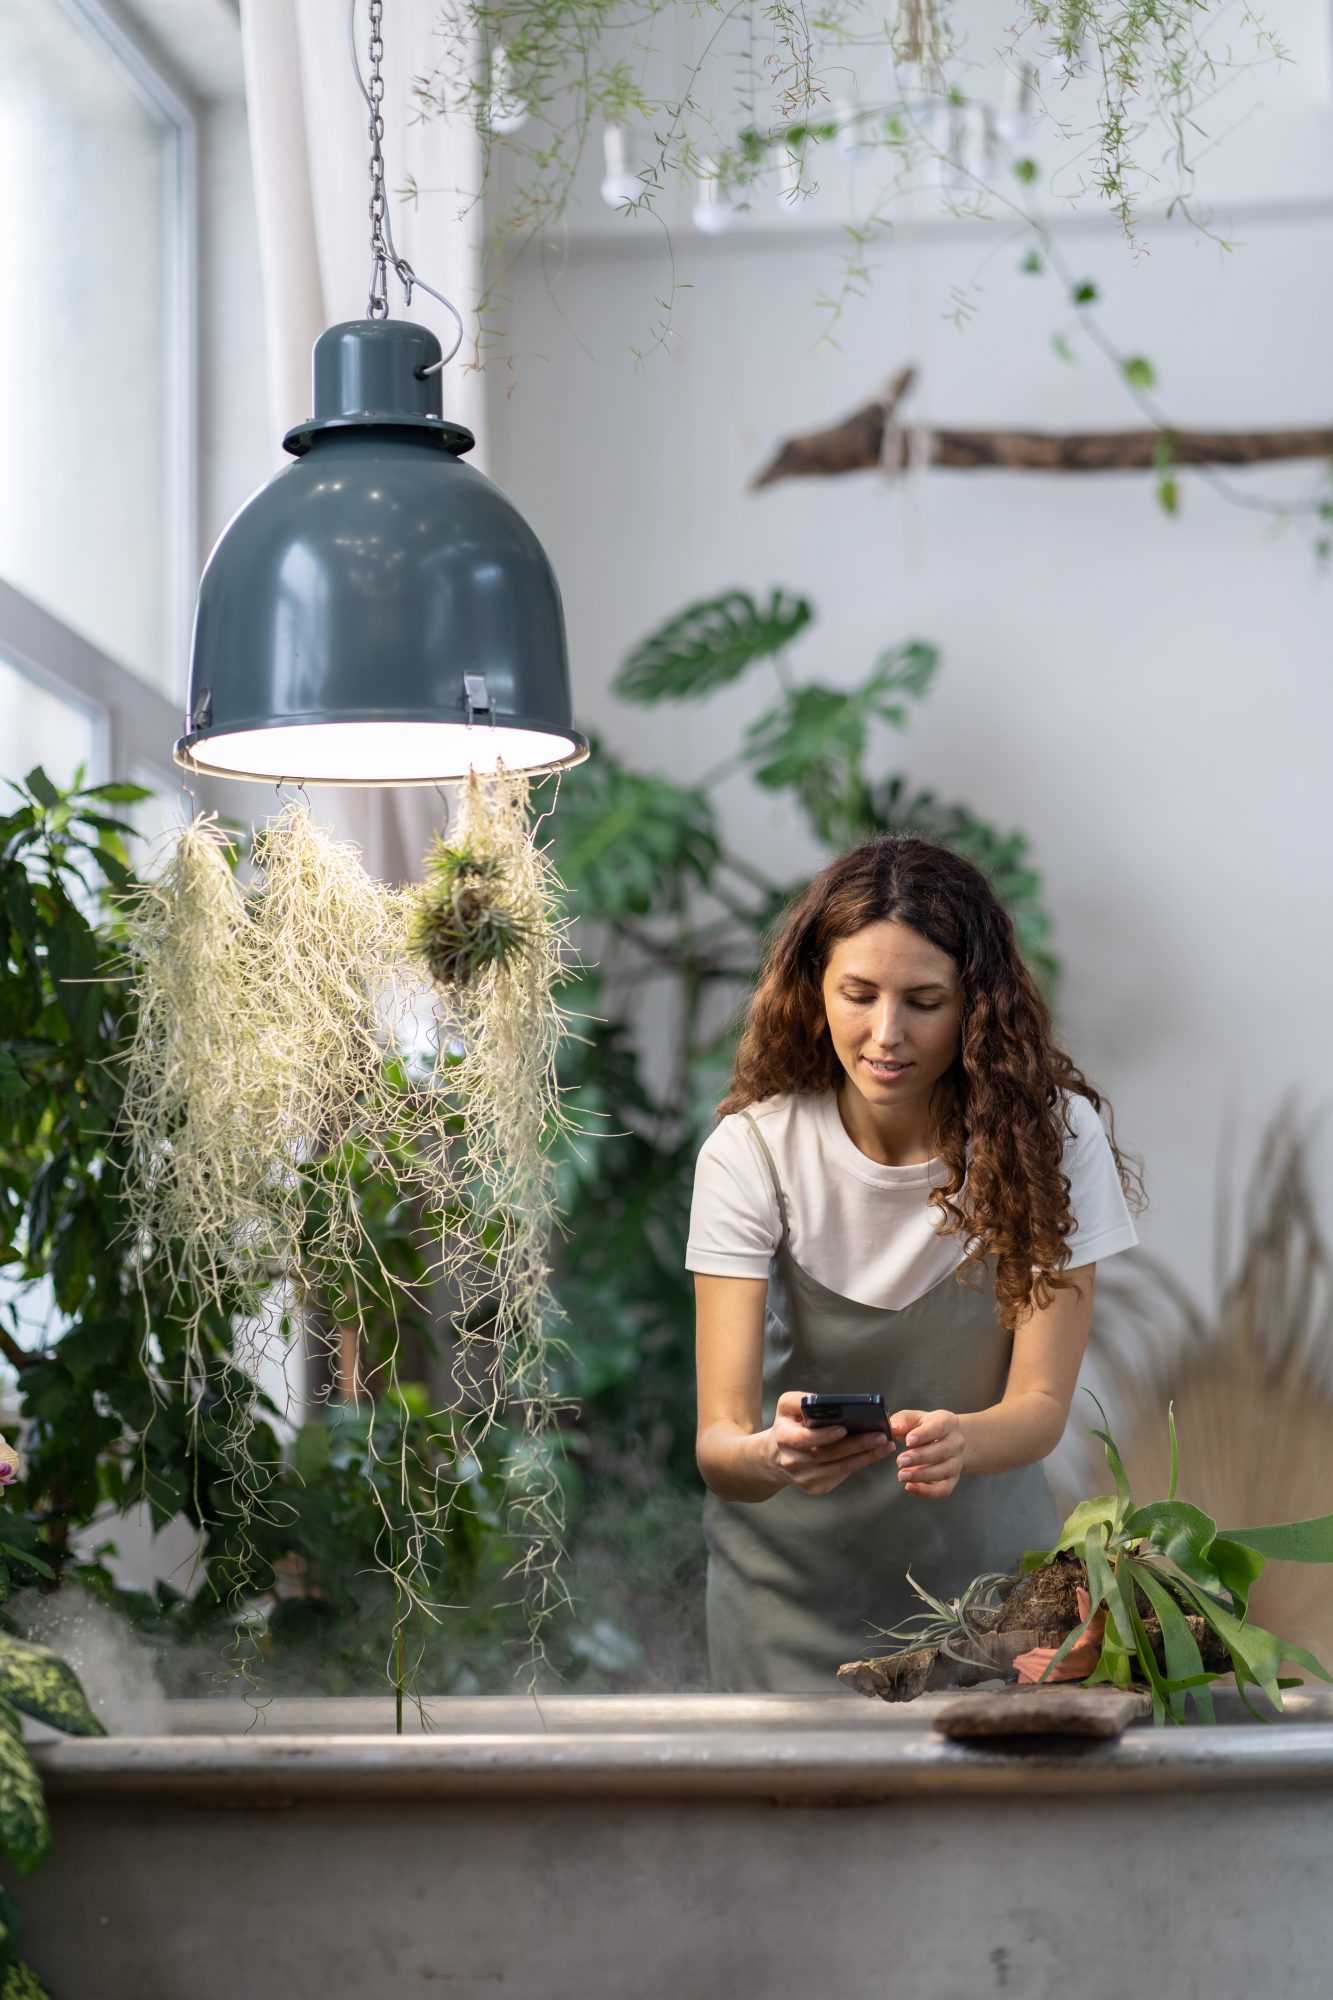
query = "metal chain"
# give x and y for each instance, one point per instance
(377, 306)
(383, 253)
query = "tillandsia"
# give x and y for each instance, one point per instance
(267, 1076)
(957, 1625)
(463, 916)
(492, 1192)
(1168, 1561)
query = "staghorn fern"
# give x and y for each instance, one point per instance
(1251, 1376)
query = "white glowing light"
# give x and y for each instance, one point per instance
(377, 753)
(619, 185)
(506, 111)
(712, 213)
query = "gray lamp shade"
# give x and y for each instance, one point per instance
(379, 613)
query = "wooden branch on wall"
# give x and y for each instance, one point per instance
(872, 437)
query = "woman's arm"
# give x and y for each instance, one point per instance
(738, 1457)
(1030, 1417)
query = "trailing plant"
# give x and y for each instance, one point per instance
(102, 1325)
(488, 924)
(1168, 1559)
(744, 107)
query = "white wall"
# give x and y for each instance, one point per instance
(1150, 700)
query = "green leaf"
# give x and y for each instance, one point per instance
(1084, 294)
(1026, 171)
(1063, 349)
(41, 787)
(25, 1832)
(1179, 1647)
(1139, 372)
(22, 1983)
(1238, 1567)
(1032, 265)
(1168, 494)
(626, 843)
(42, 1685)
(11, 1934)
(311, 1451)
(1175, 1451)
(709, 644)
(813, 742)
(1088, 1514)
(1182, 1533)
(1290, 1541)
(119, 793)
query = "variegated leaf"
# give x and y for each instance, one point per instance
(43, 1685)
(25, 1832)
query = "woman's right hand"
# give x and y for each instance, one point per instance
(817, 1457)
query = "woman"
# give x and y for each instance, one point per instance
(908, 1191)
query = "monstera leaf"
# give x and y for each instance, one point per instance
(630, 844)
(44, 1686)
(709, 644)
(814, 741)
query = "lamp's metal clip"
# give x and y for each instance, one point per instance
(477, 697)
(201, 714)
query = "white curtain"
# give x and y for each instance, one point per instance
(310, 150)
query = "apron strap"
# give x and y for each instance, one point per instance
(762, 1144)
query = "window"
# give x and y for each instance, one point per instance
(97, 522)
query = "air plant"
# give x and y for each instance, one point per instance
(957, 1626)
(463, 917)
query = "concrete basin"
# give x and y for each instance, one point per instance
(824, 1847)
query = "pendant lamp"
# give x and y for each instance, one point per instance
(379, 613)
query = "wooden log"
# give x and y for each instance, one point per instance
(871, 437)
(928, 1670)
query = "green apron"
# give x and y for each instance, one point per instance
(798, 1583)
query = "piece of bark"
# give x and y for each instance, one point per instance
(928, 1670)
(1042, 1711)
(871, 437)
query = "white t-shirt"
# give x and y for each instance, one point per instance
(864, 1230)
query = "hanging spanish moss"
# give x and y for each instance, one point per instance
(268, 1068)
(487, 924)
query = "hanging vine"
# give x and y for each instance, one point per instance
(287, 1032)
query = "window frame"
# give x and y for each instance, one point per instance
(157, 85)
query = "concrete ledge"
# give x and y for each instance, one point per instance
(864, 1754)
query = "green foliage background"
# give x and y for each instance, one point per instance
(664, 903)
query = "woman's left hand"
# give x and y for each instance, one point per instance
(930, 1451)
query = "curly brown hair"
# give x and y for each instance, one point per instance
(999, 1118)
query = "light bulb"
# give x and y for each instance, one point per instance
(845, 117)
(713, 212)
(506, 111)
(789, 179)
(1014, 119)
(619, 185)
(962, 134)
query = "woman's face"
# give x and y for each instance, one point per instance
(895, 1008)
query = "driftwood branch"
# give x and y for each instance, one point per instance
(872, 437)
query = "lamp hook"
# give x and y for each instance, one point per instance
(383, 251)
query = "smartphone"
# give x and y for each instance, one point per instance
(854, 1413)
